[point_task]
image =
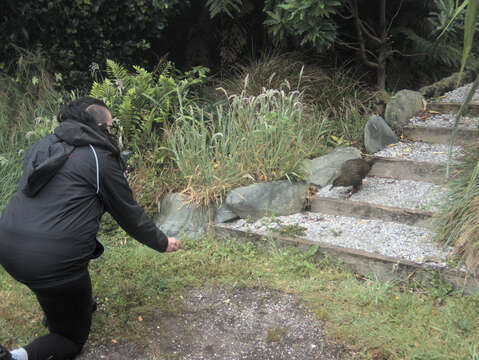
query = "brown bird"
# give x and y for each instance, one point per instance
(352, 173)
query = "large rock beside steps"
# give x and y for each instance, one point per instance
(377, 134)
(178, 218)
(267, 199)
(402, 107)
(322, 170)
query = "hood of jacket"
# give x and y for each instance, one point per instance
(47, 157)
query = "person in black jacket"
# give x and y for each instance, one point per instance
(48, 229)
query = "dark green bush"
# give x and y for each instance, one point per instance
(78, 34)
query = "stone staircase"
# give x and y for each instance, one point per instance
(386, 228)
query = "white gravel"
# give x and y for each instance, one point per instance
(444, 120)
(458, 95)
(419, 151)
(407, 194)
(385, 238)
(375, 236)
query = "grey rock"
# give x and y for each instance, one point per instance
(322, 170)
(224, 214)
(378, 134)
(177, 218)
(401, 107)
(267, 199)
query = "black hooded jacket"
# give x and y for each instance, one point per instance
(70, 178)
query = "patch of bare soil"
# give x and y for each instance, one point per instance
(231, 324)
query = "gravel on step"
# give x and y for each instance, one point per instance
(458, 95)
(408, 194)
(374, 236)
(419, 151)
(444, 120)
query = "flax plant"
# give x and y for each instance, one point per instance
(459, 217)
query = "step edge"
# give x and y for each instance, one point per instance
(394, 267)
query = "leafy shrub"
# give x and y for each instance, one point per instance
(76, 33)
(143, 100)
(310, 21)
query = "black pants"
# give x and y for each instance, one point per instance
(67, 308)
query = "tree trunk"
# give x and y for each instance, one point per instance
(375, 57)
(381, 76)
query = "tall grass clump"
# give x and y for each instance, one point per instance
(459, 217)
(28, 104)
(336, 97)
(251, 138)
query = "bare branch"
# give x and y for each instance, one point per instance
(348, 46)
(382, 19)
(348, 13)
(368, 33)
(394, 16)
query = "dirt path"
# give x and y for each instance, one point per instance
(219, 324)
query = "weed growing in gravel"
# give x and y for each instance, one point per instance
(291, 230)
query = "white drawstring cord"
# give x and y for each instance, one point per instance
(97, 170)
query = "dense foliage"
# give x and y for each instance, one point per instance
(78, 34)
(141, 100)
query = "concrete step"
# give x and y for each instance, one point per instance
(450, 107)
(420, 152)
(407, 194)
(407, 202)
(440, 135)
(409, 170)
(364, 210)
(368, 263)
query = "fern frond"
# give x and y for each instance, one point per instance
(227, 7)
(118, 73)
(436, 52)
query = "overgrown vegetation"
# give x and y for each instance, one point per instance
(199, 147)
(28, 103)
(248, 140)
(144, 102)
(337, 98)
(459, 219)
(185, 143)
(78, 35)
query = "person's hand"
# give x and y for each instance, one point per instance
(173, 244)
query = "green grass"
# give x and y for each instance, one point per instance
(337, 99)
(381, 320)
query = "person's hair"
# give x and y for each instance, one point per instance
(77, 110)
(99, 113)
(89, 111)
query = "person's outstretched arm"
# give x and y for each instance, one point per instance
(118, 200)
